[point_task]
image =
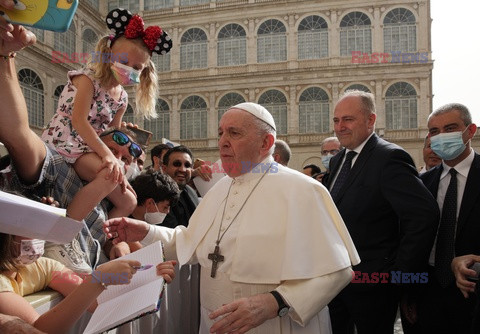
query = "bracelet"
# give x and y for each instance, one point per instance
(10, 55)
(104, 286)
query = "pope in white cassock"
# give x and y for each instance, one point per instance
(272, 247)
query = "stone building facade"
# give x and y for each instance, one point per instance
(295, 57)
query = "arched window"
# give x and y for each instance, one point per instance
(355, 34)
(131, 5)
(227, 101)
(193, 49)
(65, 41)
(193, 118)
(400, 31)
(271, 42)
(232, 45)
(401, 106)
(192, 2)
(162, 62)
(160, 126)
(32, 89)
(89, 40)
(129, 116)
(56, 95)
(360, 87)
(276, 103)
(313, 38)
(314, 111)
(157, 4)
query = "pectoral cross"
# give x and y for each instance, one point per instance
(215, 257)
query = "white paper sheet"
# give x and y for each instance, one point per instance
(217, 174)
(24, 217)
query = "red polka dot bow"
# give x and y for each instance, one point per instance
(122, 22)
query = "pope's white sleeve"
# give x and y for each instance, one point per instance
(308, 297)
(164, 234)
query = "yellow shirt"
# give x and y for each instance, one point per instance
(31, 278)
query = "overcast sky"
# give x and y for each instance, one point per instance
(456, 54)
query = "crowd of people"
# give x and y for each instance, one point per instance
(267, 249)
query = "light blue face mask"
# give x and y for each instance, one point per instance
(326, 160)
(448, 145)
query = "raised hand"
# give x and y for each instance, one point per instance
(125, 229)
(13, 37)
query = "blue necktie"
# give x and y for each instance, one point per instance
(445, 246)
(343, 174)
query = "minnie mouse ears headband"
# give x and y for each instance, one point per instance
(121, 22)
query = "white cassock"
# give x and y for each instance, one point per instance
(289, 236)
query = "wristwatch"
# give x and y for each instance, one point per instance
(282, 306)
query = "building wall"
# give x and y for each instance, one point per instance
(333, 74)
(291, 77)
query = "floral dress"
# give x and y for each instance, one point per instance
(60, 133)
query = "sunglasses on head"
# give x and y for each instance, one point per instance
(122, 139)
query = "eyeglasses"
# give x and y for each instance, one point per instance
(325, 152)
(122, 139)
(178, 163)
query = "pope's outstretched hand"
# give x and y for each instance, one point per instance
(125, 229)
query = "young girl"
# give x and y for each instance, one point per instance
(94, 99)
(23, 271)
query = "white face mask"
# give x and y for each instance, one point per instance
(155, 218)
(30, 250)
(132, 171)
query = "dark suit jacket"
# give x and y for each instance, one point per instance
(467, 239)
(389, 213)
(181, 211)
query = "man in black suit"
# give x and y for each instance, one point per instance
(442, 308)
(391, 217)
(177, 163)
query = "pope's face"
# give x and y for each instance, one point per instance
(240, 142)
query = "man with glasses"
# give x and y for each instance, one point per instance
(40, 171)
(177, 163)
(121, 142)
(330, 147)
